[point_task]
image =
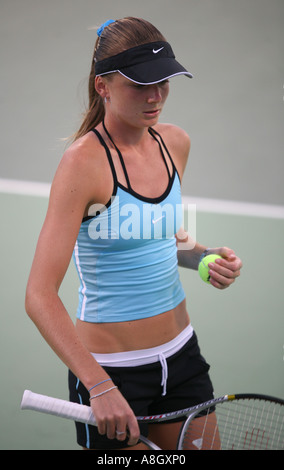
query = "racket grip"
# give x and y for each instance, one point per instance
(57, 407)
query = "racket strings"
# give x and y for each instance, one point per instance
(237, 425)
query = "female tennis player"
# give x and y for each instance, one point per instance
(115, 204)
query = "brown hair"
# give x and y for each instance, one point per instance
(115, 38)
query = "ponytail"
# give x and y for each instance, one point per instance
(96, 111)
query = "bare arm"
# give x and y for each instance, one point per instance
(71, 192)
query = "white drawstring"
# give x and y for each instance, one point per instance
(164, 365)
(147, 356)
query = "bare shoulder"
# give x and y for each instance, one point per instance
(80, 154)
(83, 164)
(83, 176)
(175, 134)
(178, 143)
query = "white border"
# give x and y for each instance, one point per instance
(187, 74)
(219, 206)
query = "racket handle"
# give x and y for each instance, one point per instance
(57, 407)
(65, 409)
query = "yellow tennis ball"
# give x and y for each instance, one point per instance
(203, 267)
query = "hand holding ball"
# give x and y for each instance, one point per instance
(203, 267)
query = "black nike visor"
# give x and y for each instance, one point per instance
(146, 64)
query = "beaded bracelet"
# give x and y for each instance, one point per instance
(103, 381)
(102, 393)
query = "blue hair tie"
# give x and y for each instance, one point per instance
(102, 27)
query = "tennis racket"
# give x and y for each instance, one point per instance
(231, 422)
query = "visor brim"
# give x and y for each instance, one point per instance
(152, 72)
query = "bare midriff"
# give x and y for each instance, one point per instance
(133, 335)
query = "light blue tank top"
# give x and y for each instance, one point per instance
(126, 254)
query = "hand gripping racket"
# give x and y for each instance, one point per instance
(231, 422)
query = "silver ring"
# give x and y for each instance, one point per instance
(119, 433)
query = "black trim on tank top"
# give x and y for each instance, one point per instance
(115, 182)
(120, 156)
(103, 143)
(129, 189)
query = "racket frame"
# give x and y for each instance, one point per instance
(83, 413)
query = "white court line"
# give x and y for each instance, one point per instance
(222, 206)
(217, 206)
(24, 188)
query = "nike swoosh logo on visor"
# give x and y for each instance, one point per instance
(155, 51)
